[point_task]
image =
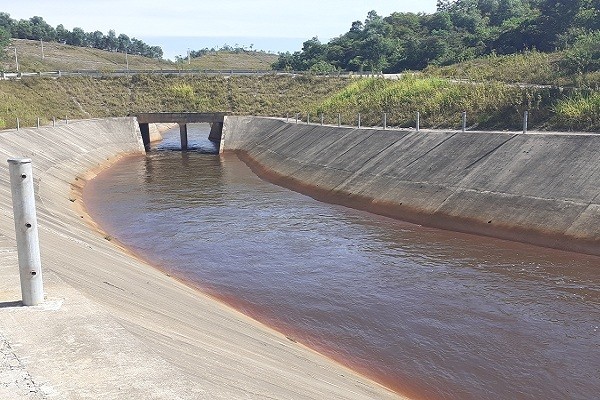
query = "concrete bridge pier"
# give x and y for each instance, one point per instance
(183, 136)
(216, 130)
(145, 131)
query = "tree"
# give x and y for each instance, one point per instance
(4, 38)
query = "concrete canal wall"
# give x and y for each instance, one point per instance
(112, 326)
(539, 188)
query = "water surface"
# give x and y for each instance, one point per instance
(432, 314)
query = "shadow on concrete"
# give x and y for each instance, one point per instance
(11, 304)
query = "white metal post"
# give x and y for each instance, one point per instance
(28, 246)
(307, 119)
(18, 124)
(418, 126)
(339, 119)
(322, 119)
(464, 121)
(525, 121)
(16, 59)
(358, 120)
(384, 121)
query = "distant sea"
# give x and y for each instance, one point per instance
(178, 45)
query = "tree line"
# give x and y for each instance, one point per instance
(35, 28)
(459, 30)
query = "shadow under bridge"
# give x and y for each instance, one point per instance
(215, 119)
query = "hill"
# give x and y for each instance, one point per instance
(62, 57)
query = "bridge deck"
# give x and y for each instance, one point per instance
(180, 118)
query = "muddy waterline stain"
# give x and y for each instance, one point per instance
(431, 314)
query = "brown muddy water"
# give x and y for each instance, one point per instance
(431, 314)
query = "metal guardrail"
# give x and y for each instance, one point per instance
(182, 72)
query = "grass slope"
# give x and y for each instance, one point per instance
(81, 97)
(68, 58)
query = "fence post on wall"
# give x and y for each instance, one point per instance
(525, 121)
(28, 246)
(418, 125)
(464, 121)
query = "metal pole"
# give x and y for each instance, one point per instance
(339, 119)
(126, 61)
(384, 121)
(525, 121)
(287, 117)
(42, 44)
(16, 59)
(464, 121)
(66, 120)
(418, 121)
(18, 124)
(53, 121)
(322, 119)
(28, 246)
(358, 120)
(297, 115)
(38, 122)
(307, 119)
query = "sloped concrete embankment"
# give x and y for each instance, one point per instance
(113, 327)
(539, 188)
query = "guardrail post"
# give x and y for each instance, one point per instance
(418, 125)
(28, 246)
(358, 120)
(525, 121)
(464, 121)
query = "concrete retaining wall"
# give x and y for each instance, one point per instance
(540, 188)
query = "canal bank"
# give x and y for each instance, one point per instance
(538, 188)
(113, 326)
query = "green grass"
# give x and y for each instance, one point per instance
(60, 57)
(580, 111)
(83, 97)
(490, 105)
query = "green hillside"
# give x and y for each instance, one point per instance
(62, 57)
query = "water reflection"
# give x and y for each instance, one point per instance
(432, 314)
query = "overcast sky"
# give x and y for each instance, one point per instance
(147, 19)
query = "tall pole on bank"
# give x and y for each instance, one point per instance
(28, 246)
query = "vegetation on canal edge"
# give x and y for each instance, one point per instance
(84, 97)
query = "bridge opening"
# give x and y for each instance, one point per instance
(183, 119)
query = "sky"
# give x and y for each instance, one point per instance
(179, 25)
